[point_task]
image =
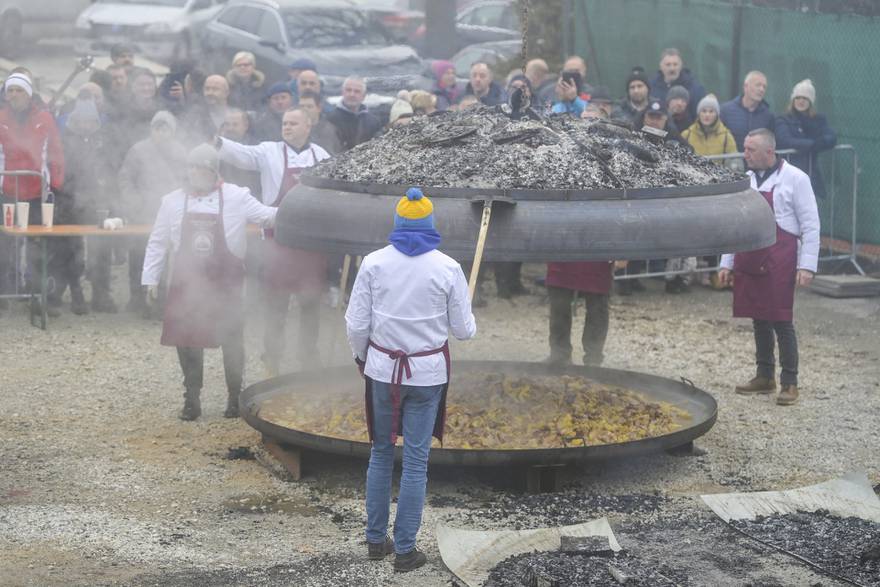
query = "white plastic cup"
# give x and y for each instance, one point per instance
(8, 215)
(48, 215)
(22, 211)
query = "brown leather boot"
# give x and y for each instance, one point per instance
(758, 385)
(788, 396)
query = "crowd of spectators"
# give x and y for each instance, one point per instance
(119, 146)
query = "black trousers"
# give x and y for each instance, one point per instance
(137, 249)
(595, 325)
(192, 362)
(765, 343)
(276, 306)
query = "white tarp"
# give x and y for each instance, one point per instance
(471, 554)
(850, 495)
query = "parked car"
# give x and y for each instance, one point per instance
(25, 20)
(340, 38)
(161, 30)
(489, 53)
(483, 21)
(397, 16)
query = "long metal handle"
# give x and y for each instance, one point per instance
(481, 244)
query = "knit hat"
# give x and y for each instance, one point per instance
(19, 80)
(422, 100)
(805, 89)
(637, 74)
(84, 112)
(164, 117)
(414, 211)
(440, 67)
(204, 156)
(400, 109)
(304, 64)
(678, 93)
(279, 88)
(709, 102)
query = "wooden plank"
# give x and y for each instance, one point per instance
(289, 457)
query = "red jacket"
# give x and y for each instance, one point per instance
(31, 145)
(593, 277)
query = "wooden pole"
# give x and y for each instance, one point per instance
(481, 244)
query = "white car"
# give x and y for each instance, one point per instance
(23, 21)
(160, 30)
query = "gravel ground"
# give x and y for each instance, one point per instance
(102, 485)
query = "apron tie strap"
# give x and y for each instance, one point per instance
(401, 368)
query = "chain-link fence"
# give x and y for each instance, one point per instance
(722, 40)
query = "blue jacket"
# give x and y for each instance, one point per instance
(740, 122)
(659, 88)
(809, 136)
(574, 107)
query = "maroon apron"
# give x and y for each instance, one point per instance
(764, 280)
(401, 368)
(286, 269)
(593, 277)
(204, 301)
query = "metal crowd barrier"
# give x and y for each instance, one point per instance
(831, 254)
(18, 250)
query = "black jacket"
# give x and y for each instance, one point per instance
(809, 136)
(354, 128)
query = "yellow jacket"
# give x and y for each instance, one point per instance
(717, 141)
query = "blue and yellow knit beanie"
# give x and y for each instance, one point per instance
(414, 211)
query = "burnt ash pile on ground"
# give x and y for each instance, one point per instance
(844, 546)
(558, 569)
(483, 148)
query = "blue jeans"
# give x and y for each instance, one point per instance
(418, 406)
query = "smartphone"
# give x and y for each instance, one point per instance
(573, 77)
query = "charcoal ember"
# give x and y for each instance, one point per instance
(483, 148)
(584, 544)
(558, 569)
(839, 545)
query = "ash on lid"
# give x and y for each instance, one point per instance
(484, 148)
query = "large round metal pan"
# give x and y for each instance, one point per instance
(533, 226)
(344, 381)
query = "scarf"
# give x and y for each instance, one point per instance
(412, 242)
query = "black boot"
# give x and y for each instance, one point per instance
(231, 405)
(102, 301)
(192, 407)
(78, 301)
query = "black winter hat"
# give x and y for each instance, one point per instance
(637, 74)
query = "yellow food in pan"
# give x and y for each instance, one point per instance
(497, 411)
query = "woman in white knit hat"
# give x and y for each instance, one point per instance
(802, 128)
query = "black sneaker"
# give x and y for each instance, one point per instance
(409, 561)
(379, 550)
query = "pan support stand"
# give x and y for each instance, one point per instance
(290, 458)
(688, 449)
(543, 478)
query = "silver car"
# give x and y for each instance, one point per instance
(161, 30)
(24, 21)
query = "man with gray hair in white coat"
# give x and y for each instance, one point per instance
(764, 281)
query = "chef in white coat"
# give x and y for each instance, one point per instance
(764, 281)
(203, 226)
(406, 299)
(284, 271)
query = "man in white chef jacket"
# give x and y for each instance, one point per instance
(764, 281)
(406, 299)
(284, 271)
(203, 227)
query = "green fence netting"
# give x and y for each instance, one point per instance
(720, 42)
